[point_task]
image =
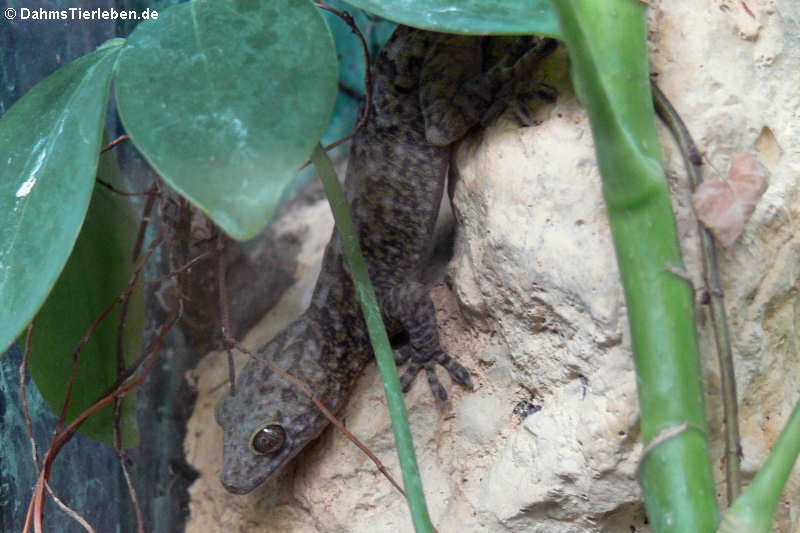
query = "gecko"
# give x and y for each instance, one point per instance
(430, 89)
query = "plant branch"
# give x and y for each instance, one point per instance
(606, 38)
(713, 286)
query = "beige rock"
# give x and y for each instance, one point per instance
(536, 312)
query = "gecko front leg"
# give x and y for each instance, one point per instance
(450, 109)
(409, 306)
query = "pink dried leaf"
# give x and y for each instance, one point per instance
(725, 206)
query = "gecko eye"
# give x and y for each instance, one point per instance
(268, 439)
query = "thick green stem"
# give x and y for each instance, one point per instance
(380, 341)
(606, 40)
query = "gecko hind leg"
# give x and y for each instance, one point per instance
(410, 306)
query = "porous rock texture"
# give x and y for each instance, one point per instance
(549, 440)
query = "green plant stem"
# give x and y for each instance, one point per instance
(753, 510)
(719, 320)
(379, 339)
(606, 40)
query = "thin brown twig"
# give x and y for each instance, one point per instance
(713, 283)
(72, 513)
(127, 374)
(223, 291)
(123, 462)
(23, 394)
(180, 270)
(129, 371)
(93, 327)
(123, 315)
(231, 371)
(35, 507)
(113, 143)
(177, 224)
(107, 185)
(224, 312)
(153, 191)
(29, 427)
(365, 108)
(123, 459)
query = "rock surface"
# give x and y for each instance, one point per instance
(549, 440)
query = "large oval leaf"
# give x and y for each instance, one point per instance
(97, 272)
(51, 141)
(507, 17)
(226, 99)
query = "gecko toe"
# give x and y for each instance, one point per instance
(438, 390)
(407, 379)
(456, 370)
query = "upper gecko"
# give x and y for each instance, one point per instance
(430, 89)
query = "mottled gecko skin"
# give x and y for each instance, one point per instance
(430, 89)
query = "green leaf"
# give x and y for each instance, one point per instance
(97, 272)
(51, 140)
(226, 100)
(509, 17)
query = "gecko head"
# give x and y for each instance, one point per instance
(268, 420)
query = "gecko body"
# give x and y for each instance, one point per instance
(430, 89)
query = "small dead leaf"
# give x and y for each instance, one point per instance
(724, 206)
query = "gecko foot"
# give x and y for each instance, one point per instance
(411, 306)
(428, 362)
